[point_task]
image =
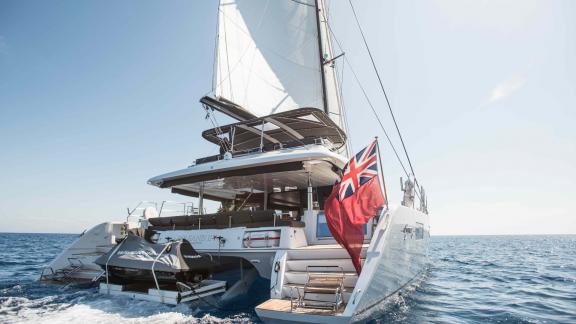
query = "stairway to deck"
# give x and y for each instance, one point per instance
(326, 260)
(80, 267)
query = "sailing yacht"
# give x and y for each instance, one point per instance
(274, 77)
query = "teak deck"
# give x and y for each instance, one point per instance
(283, 305)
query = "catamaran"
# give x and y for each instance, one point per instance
(275, 77)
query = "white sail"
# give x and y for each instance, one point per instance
(268, 57)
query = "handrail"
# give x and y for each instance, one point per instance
(309, 285)
(154, 273)
(172, 208)
(186, 206)
(208, 254)
(324, 266)
(270, 147)
(142, 205)
(108, 260)
(42, 275)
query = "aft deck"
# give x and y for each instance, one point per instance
(279, 311)
(284, 305)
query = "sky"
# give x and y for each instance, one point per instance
(96, 97)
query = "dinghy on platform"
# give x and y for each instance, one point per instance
(137, 259)
(171, 273)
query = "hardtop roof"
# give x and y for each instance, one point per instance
(289, 126)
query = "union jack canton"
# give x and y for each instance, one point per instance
(361, 168)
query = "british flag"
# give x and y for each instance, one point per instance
(360, 169)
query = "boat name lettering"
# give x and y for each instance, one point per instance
(192, 256)
(142, 253)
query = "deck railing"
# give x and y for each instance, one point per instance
(268, 148)
(164, 209)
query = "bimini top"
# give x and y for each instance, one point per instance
(289, 128)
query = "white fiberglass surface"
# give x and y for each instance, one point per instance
(314, 154)
(321, 175)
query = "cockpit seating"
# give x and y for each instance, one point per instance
(243, 218)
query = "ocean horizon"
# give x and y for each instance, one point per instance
(431, 234)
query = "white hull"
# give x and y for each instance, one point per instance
(395, 255)
(395, 258)
(392, 260)
(76, 263)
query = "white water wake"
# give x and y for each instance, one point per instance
(87, 307)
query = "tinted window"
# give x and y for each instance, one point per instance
(322, 230)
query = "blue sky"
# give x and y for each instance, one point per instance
(98, 96)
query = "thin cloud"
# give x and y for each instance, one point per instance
(506, 88)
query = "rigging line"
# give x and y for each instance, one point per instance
(226, 50)
(328, 66)
(214, 72)
(368, 101)
(217, 128)
(344, 115)
(382, 87)
(378, 119)
(373, 109)
(227, 77)
(219, 132)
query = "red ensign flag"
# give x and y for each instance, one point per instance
(354, 200)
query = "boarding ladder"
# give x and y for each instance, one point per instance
(72, 272)
(324, 280)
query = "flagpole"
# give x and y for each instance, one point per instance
(381, 171)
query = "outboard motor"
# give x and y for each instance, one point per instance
(137, 259)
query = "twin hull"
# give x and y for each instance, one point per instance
(396, 254)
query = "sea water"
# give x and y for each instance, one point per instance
(469, 279)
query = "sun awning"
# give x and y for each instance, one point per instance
(303, 126)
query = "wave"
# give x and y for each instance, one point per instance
(101, 309)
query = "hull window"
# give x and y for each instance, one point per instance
(322, 230)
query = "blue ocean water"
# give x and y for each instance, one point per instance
(493, 279)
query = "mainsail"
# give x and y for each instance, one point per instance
(269, 59)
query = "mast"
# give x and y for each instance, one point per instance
(321, 57)
(267, 62)
(330, 87)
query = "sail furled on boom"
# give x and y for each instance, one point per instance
(268, 58)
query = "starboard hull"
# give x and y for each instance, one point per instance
(396, 256)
